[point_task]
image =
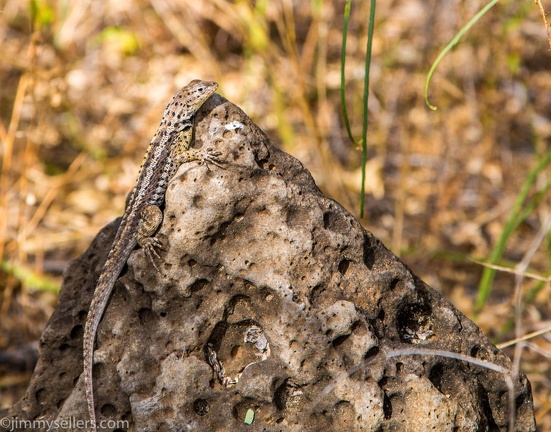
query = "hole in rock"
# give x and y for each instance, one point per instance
(201, 406)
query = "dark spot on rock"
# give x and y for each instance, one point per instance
(281, 395)
(487, 422)
(393, 283)
(263, 163)
(343, 266)
(220, 233)
(371, 353)
(108, 410)
(201, 407)
(339, 340)
(481, 353)
(146, 316)
(369, 255)
(334, 221)
(76, 332)
(294, 217)
(435, 376)
(387, 406)
(40, 394)
(315, 293)
(198, 285)
(413, 320)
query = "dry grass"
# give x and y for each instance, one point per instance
(84, 85)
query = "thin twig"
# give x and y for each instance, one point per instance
(514, 271)
(524, 338)
(542, 12)
(519, 278)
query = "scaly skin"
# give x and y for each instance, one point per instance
(169, 148)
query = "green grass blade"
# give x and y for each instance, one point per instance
(343, 64)
(30, 278)
(371, 27)
(450, 45)
(515, 219)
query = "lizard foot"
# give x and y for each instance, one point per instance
(211, 156)
(151, 245)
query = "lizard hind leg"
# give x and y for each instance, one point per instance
(151, 218)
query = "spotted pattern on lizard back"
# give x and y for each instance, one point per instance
(169, 148)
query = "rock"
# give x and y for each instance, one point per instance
(274, 310)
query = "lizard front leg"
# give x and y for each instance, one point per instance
(182, 152)
(206, 156)
(151, 215)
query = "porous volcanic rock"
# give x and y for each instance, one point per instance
(273, 310)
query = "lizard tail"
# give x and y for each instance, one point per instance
(95, 313)
(89, 336)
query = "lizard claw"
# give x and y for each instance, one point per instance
(212, 156)
(150, 246)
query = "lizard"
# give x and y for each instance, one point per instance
(169, 148)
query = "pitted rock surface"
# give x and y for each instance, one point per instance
(274, 307)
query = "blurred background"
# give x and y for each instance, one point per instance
(84, 84)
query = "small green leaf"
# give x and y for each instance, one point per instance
(249, 417)
(42, 13)
(522, 208)
(119, 39)
(30, 278)
(450, 45)
(514, 62)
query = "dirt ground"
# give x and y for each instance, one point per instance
(84, 85)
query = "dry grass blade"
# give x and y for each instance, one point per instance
(514, 271)
(185, 28)
(524, 338)
(544, 19)
(51, 195)
(6, 179)
(519, 277)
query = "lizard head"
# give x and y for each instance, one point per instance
(199, 91)
(185, 103)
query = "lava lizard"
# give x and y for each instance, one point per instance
(169, 148)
